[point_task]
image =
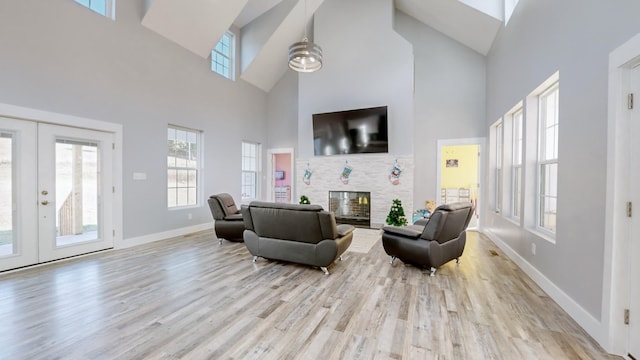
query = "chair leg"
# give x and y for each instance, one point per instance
(393, 258)
(340, 258)
(255, 257)
(324, 270)
(457, 260)
(432, 271)
(219, 241)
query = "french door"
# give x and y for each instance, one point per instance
(55, 192)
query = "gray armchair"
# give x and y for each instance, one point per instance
(227, 218)
(431, 243)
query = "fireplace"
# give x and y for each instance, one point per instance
(351, 207)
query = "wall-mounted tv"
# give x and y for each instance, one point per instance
(351, 132)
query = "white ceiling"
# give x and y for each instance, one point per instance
(197, 25)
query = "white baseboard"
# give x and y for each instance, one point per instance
(589, 323)
(145, 239)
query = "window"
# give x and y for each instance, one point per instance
(548, 158)
(222, 56)
(102, 7)
(182, 166)
(498, 171)
(250, 170)
(516, 165)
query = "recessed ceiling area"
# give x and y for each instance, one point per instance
(269, 26)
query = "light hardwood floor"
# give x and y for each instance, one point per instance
(191, 298)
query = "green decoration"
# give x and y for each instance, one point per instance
(396, 214)
(304, 200)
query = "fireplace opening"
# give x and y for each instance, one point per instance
(351, 207)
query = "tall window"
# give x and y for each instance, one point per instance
(548, 158)
(250, 170)
(222, 56)
(102, 7)
(517, 164)
(182, 166)
(498, 172)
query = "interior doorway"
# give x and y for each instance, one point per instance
(459, 173)
(280, 175)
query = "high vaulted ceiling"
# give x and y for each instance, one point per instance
(268, 27)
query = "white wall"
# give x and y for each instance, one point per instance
(574, 37)
(450, 87)
(366, 64)
(440, 95)
(61, 57)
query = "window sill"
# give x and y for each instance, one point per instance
(543, 234)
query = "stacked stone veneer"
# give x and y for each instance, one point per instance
(369, 173)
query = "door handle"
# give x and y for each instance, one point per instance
(45, 202)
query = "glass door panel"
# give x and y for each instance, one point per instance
(6, 194)
(77, 192)
(18, 169)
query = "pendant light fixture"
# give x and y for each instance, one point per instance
(305, 56)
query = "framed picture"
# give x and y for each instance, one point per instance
(452, 163)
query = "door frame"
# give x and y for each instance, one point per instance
(270, 169)
(613, 334)
(481, 195)
(24, 113)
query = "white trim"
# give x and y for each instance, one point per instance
(577, 312)
(42, 116)
(615, 289)
(165, 235)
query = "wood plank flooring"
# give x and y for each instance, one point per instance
(191, 298)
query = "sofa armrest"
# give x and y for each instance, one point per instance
(233, 217)
(413, 232)
(344, 229)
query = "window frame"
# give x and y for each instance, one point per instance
(499, 168)
(109, 7)
(197, 168)
(251, 166)
(517, 156)
(230, 57)
(545, 197)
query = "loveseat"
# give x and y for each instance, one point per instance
(303, 234)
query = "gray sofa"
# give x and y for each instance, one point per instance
(304, 234)
(433, 242)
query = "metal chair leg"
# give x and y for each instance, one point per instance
(432, 271)
(393, 258)
(324, 270)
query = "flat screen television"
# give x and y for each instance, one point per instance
(351, 132)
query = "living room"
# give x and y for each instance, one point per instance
(65, 65)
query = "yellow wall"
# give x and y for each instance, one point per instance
(466, 174)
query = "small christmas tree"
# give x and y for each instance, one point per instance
(304, 200)
(396, 214)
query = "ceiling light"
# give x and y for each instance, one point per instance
(305, 56)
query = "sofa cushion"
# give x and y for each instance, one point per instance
(287, 221)
(410, 231)
(228, 204)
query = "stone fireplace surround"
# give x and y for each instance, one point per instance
(369, 173)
